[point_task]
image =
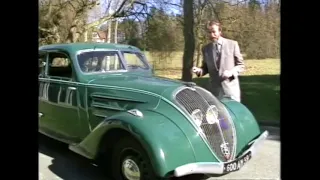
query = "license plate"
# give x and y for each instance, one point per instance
(237, 164)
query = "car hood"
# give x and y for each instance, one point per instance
(148, 83)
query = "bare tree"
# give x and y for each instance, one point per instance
(116, 31)
(63, 20)
(189, 43)
(66, 20)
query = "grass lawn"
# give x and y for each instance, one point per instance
(260, 86)
(260, 93)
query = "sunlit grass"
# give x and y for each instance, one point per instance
(260, 83)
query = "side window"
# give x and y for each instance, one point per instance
(42, 64)
(59, 66)
(111, 63)
(100, 61)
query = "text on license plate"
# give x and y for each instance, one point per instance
(236, 164)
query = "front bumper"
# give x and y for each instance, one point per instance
(217, 167)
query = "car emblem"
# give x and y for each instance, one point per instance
(225, 150)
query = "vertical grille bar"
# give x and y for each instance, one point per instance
(217, 134)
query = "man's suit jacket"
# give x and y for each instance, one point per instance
(230, 59)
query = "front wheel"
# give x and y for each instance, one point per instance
(131, 162)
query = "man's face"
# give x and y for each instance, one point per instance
(214, 32)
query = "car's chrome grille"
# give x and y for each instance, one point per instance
(217, 133)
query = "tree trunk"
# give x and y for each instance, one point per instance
(109, 32)
(116, 32)
(85, 36)
(198, 54)
(189, 40)
(72, 35)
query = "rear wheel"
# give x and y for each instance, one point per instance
(131, 162)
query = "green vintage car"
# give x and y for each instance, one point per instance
(104, 101)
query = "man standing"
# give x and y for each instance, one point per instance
(223, 61)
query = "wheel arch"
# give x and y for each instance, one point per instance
(108, 140)
(149, 132)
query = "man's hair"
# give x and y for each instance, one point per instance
(213, 22)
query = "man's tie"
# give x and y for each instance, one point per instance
(217, 55)
(217, 48)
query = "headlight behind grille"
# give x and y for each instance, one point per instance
(197, 116)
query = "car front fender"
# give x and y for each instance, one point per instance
(166, 144)
(247, 127)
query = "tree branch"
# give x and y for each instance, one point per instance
(214, 10)
(172, 4)
(45, 30)
(72, 6)
(113, 15)
(239, 2)
(135, 13)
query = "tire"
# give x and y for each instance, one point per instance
(129, 150)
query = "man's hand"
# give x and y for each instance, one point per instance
(197, 71)
(227, 74)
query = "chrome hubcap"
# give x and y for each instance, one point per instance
(130, 169)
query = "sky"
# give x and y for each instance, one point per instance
(97, 11)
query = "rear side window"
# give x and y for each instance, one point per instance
(59, 66)
(42, 64)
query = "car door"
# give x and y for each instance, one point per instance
(43, 91)
(59, 99)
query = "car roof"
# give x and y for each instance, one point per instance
(72, 47)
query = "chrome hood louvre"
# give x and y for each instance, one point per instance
(103, 105)
(122, 98)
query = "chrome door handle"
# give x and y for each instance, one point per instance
(72, 88)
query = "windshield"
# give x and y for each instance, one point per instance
(135, 61)
(99, 61)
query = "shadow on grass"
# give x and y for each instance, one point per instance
(260, 93)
